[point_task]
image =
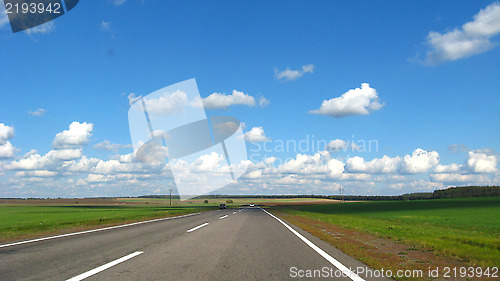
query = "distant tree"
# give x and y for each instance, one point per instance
(229, 201)
(206, 201)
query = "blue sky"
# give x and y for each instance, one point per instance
(431, 70)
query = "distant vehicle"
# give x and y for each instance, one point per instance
(252, 205)
(222, 206)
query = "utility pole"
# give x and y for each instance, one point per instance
(170, 197)
(341, 194)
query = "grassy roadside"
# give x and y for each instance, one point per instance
(24, 221)
(408, 234)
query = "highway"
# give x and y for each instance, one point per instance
(229, 244)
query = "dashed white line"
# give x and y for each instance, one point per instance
(223, 217)
(198, 227)
(234, 213)
(325, 255)
(93, 230)
(104, 267)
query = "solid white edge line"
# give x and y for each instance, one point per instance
(198, 227)
(223, 217)
(104, 267)
(92, 230)
(353, 276)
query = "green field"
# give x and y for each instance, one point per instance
(465, 228)
(17, 221)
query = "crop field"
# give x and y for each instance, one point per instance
(465, 229)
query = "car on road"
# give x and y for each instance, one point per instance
(222, 206)
(252, 205)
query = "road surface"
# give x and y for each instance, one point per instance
(230, 244)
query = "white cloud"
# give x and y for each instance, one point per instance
(472, 38)
(289, 74)
(223, 101)
(263, 102)
(447, 168)
(77, 135)
(226, 128)
(42, 29)
(108, 145)
(38, 112)
(336, 167)
(106, 26)
(65, 154)
(6, 133)
(338, 145)
(256, 134)
(132, 98)
(460, 178)
(167, 104)
(481, 162)
(7, 150)
(385, 164)
(117, 2)
(358, 101)
(420, 161)
(309, 164)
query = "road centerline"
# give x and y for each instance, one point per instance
(198, 227)
(104, 267)
(353, 276)
(223, 217)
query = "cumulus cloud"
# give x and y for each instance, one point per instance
(108, 145)
(7, 150)
(447, 168)
(78, 134)
(385, 164)
(167, 104)
(256, 134)
(481, 162)
(289, 74)
(223, 101)
(6, 133)
(420, 161)
(358, 101)
(472, 38)
(38, 112)
(338, 145)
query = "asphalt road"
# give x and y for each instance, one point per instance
(230, 244)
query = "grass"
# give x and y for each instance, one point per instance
(467, 229)
(18, 221)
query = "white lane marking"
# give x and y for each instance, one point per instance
(223, 217)
(329, 258)
(198, 227)
(239, 211)
(234, 213)
(93, 230)
(104, 267)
